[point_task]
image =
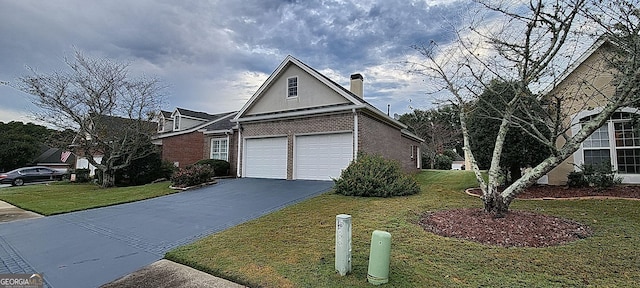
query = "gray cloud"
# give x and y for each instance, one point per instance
(214, 54)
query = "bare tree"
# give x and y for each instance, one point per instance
(110, 110)
(529, 46)
(438, 126)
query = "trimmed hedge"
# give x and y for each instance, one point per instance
(220, 167)
(600, 176)
(192, 175)
(375, 176)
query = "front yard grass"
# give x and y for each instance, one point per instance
(294, 247)
(57, 198)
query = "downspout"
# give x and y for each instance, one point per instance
(238, 174)
(228, 138)
(355, 134)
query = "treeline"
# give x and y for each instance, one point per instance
(21, 143)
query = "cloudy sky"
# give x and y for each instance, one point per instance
(213, 55)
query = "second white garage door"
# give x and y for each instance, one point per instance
(265, 158)
(322, 157)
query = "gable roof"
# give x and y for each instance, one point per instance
(355, 101)
(585, 55)
(221, 123)
(196, 114)
(53, 155)
(166, 114)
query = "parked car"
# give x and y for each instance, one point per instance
(20, 176)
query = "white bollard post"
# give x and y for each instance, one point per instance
(343, 244)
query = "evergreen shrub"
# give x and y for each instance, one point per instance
(375, 176)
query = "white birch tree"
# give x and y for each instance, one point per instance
(529, 45)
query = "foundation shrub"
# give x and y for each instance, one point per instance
(375, 176)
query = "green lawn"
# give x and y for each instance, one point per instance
(294, 247)
(65, 197)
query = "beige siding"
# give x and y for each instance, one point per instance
(586, 88)
(186, 123)
(311, 93)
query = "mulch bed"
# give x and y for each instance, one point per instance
(520, 228)
(516, 229)
(551, 191)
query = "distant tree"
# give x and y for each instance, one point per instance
(20, 143)
(60, 138)
(109, 109)
(439, 127)
(520, 149)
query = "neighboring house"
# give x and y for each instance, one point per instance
(618, 141)
(55, 158)
(106, 127)
(302, 125)
(186, 137)
(458, 163)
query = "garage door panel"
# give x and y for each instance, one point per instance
(322, 157)
(266, 158)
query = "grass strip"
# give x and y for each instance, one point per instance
(294, 247)
(57, 198)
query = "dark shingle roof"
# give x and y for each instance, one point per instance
(199, 115)
(166, 114)
(224, 124)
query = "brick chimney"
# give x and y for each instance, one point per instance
(356, 85)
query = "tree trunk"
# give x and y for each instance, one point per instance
(495, 204)
(108, 179)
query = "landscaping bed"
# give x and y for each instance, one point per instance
(554, 191)
(516, 229)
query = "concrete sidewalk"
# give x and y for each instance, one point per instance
(168, 274)
(9, 213)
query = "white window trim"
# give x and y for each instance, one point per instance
(161, 124)
(176, 123)
(412, 151)
(297, 87)
(211, 147)
(578, 156)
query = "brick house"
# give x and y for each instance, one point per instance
(187, 136)
(302, 125)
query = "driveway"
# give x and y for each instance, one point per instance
(90, 248)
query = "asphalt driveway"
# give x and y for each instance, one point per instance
(93, 247)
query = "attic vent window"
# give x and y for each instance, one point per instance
(176, 123)
(292, 87)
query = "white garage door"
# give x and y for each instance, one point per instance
(266, 158)
(321, 157)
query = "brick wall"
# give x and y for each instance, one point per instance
(185, 149)
(233, 149)
(291, 127)
(379, 138)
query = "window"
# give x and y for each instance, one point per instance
(617, 142)
(292, 87)
(161, 125)
(176, 123)
(627, 146)
(220, 149)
